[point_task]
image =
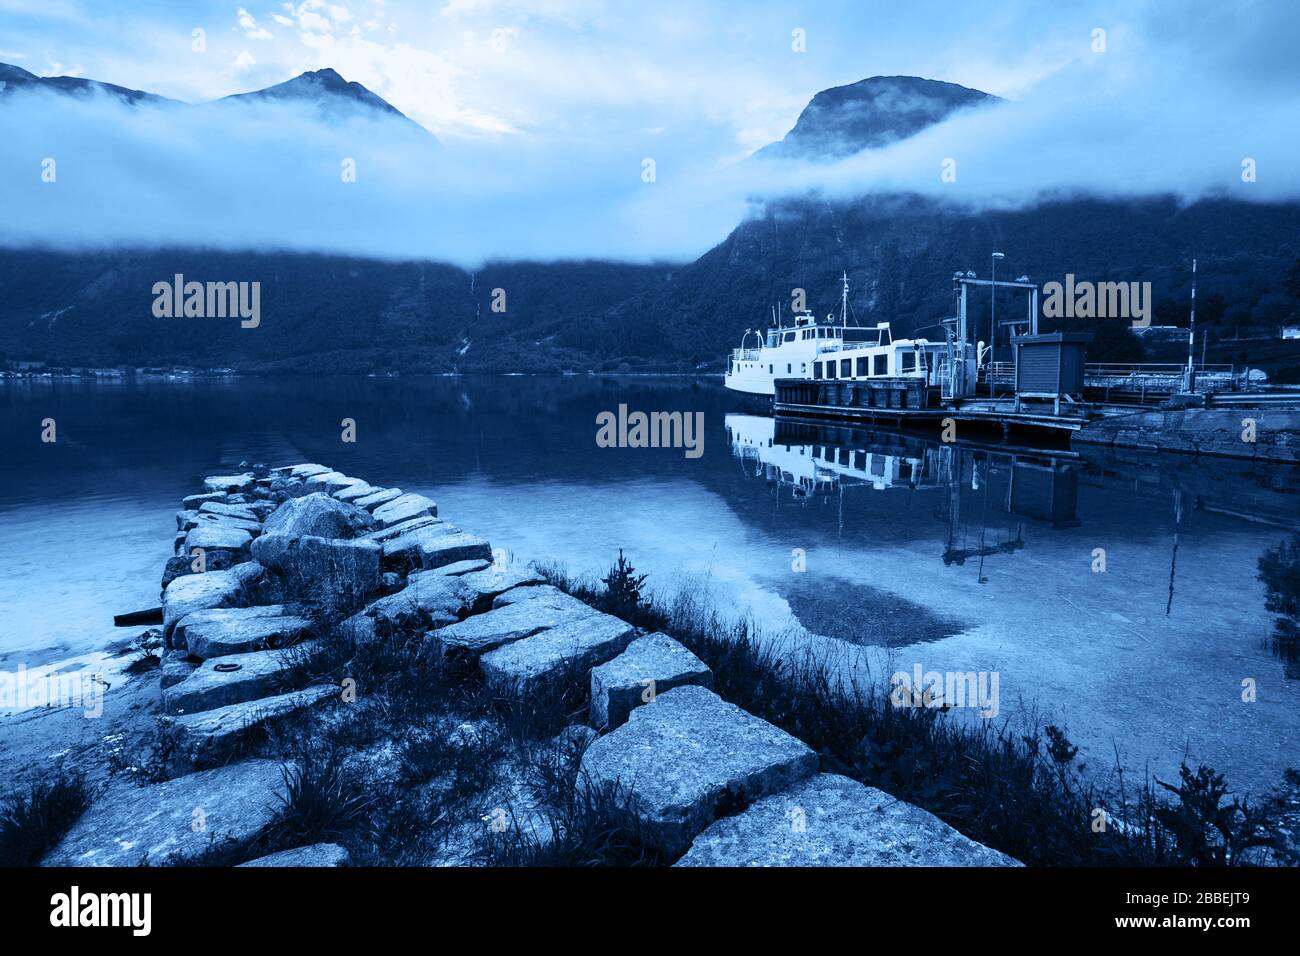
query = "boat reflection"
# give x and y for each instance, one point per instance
(818, 461)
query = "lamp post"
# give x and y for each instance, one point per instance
(993, 312)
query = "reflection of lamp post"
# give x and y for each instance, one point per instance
(993, 309)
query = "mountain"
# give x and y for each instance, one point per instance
(15, 78)
(900, 253)
(318, 313)
(869, 114)
(335, 313)
(326, 90)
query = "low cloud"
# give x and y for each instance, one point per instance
(267, 175)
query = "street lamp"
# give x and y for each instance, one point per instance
(993, 309)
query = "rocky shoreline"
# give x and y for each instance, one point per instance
(283, 580)
(1259, 434)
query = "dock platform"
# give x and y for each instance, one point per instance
(902, 406)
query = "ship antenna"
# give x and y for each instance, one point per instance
(844, 300)
(1191, 330)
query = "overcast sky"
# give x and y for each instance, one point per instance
(547, 108)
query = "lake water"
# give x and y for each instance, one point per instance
(948, 557)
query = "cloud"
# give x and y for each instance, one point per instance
(243, 62)
(544, 141)
(268, 175)
(248, 24)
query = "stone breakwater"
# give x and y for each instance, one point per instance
(1260, 434)
(272, 566)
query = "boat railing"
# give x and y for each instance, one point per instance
(1122, 374)
(745, 355)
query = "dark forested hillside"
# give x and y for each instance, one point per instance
(333, 313)
(900, 255)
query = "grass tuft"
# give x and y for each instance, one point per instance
(32, 822)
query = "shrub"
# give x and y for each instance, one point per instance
(31, 823)
(319, 802)
(623, 590)
(594, 826)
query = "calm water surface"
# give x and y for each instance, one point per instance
(952, 557)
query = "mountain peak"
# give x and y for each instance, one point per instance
(871, 113)
(327, 88)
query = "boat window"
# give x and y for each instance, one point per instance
(909, 361)
(862, 367)
(769, 370)
(789, 369)
(830, 369)
(846, 368)
(817, 369)
(881, 365)
(789, 337)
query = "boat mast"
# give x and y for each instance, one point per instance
(844, 300)
(1191, 338)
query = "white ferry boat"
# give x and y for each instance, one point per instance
(834, 350)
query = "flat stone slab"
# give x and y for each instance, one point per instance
(537, 592)
(222, 631)
(394, 531)
(650, 666)
(462, 567)
(130, 825)
(483, 632)
(404, 508)
(172, 672)
(316, 855)
(352, 492)
(229, 511)
(575, 645)
(428, 600)
(489, 583)
(433, 547)
(829, 820)
(192, 502)
(215, 684)
(195, 592)
(305, 470)
(689, 754)
(211, 731)
(217, 537)
(329, 482)
(200, 518)
(229, 484)
(372, 501)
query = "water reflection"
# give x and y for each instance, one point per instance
(1279, 570)
(985, 495)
